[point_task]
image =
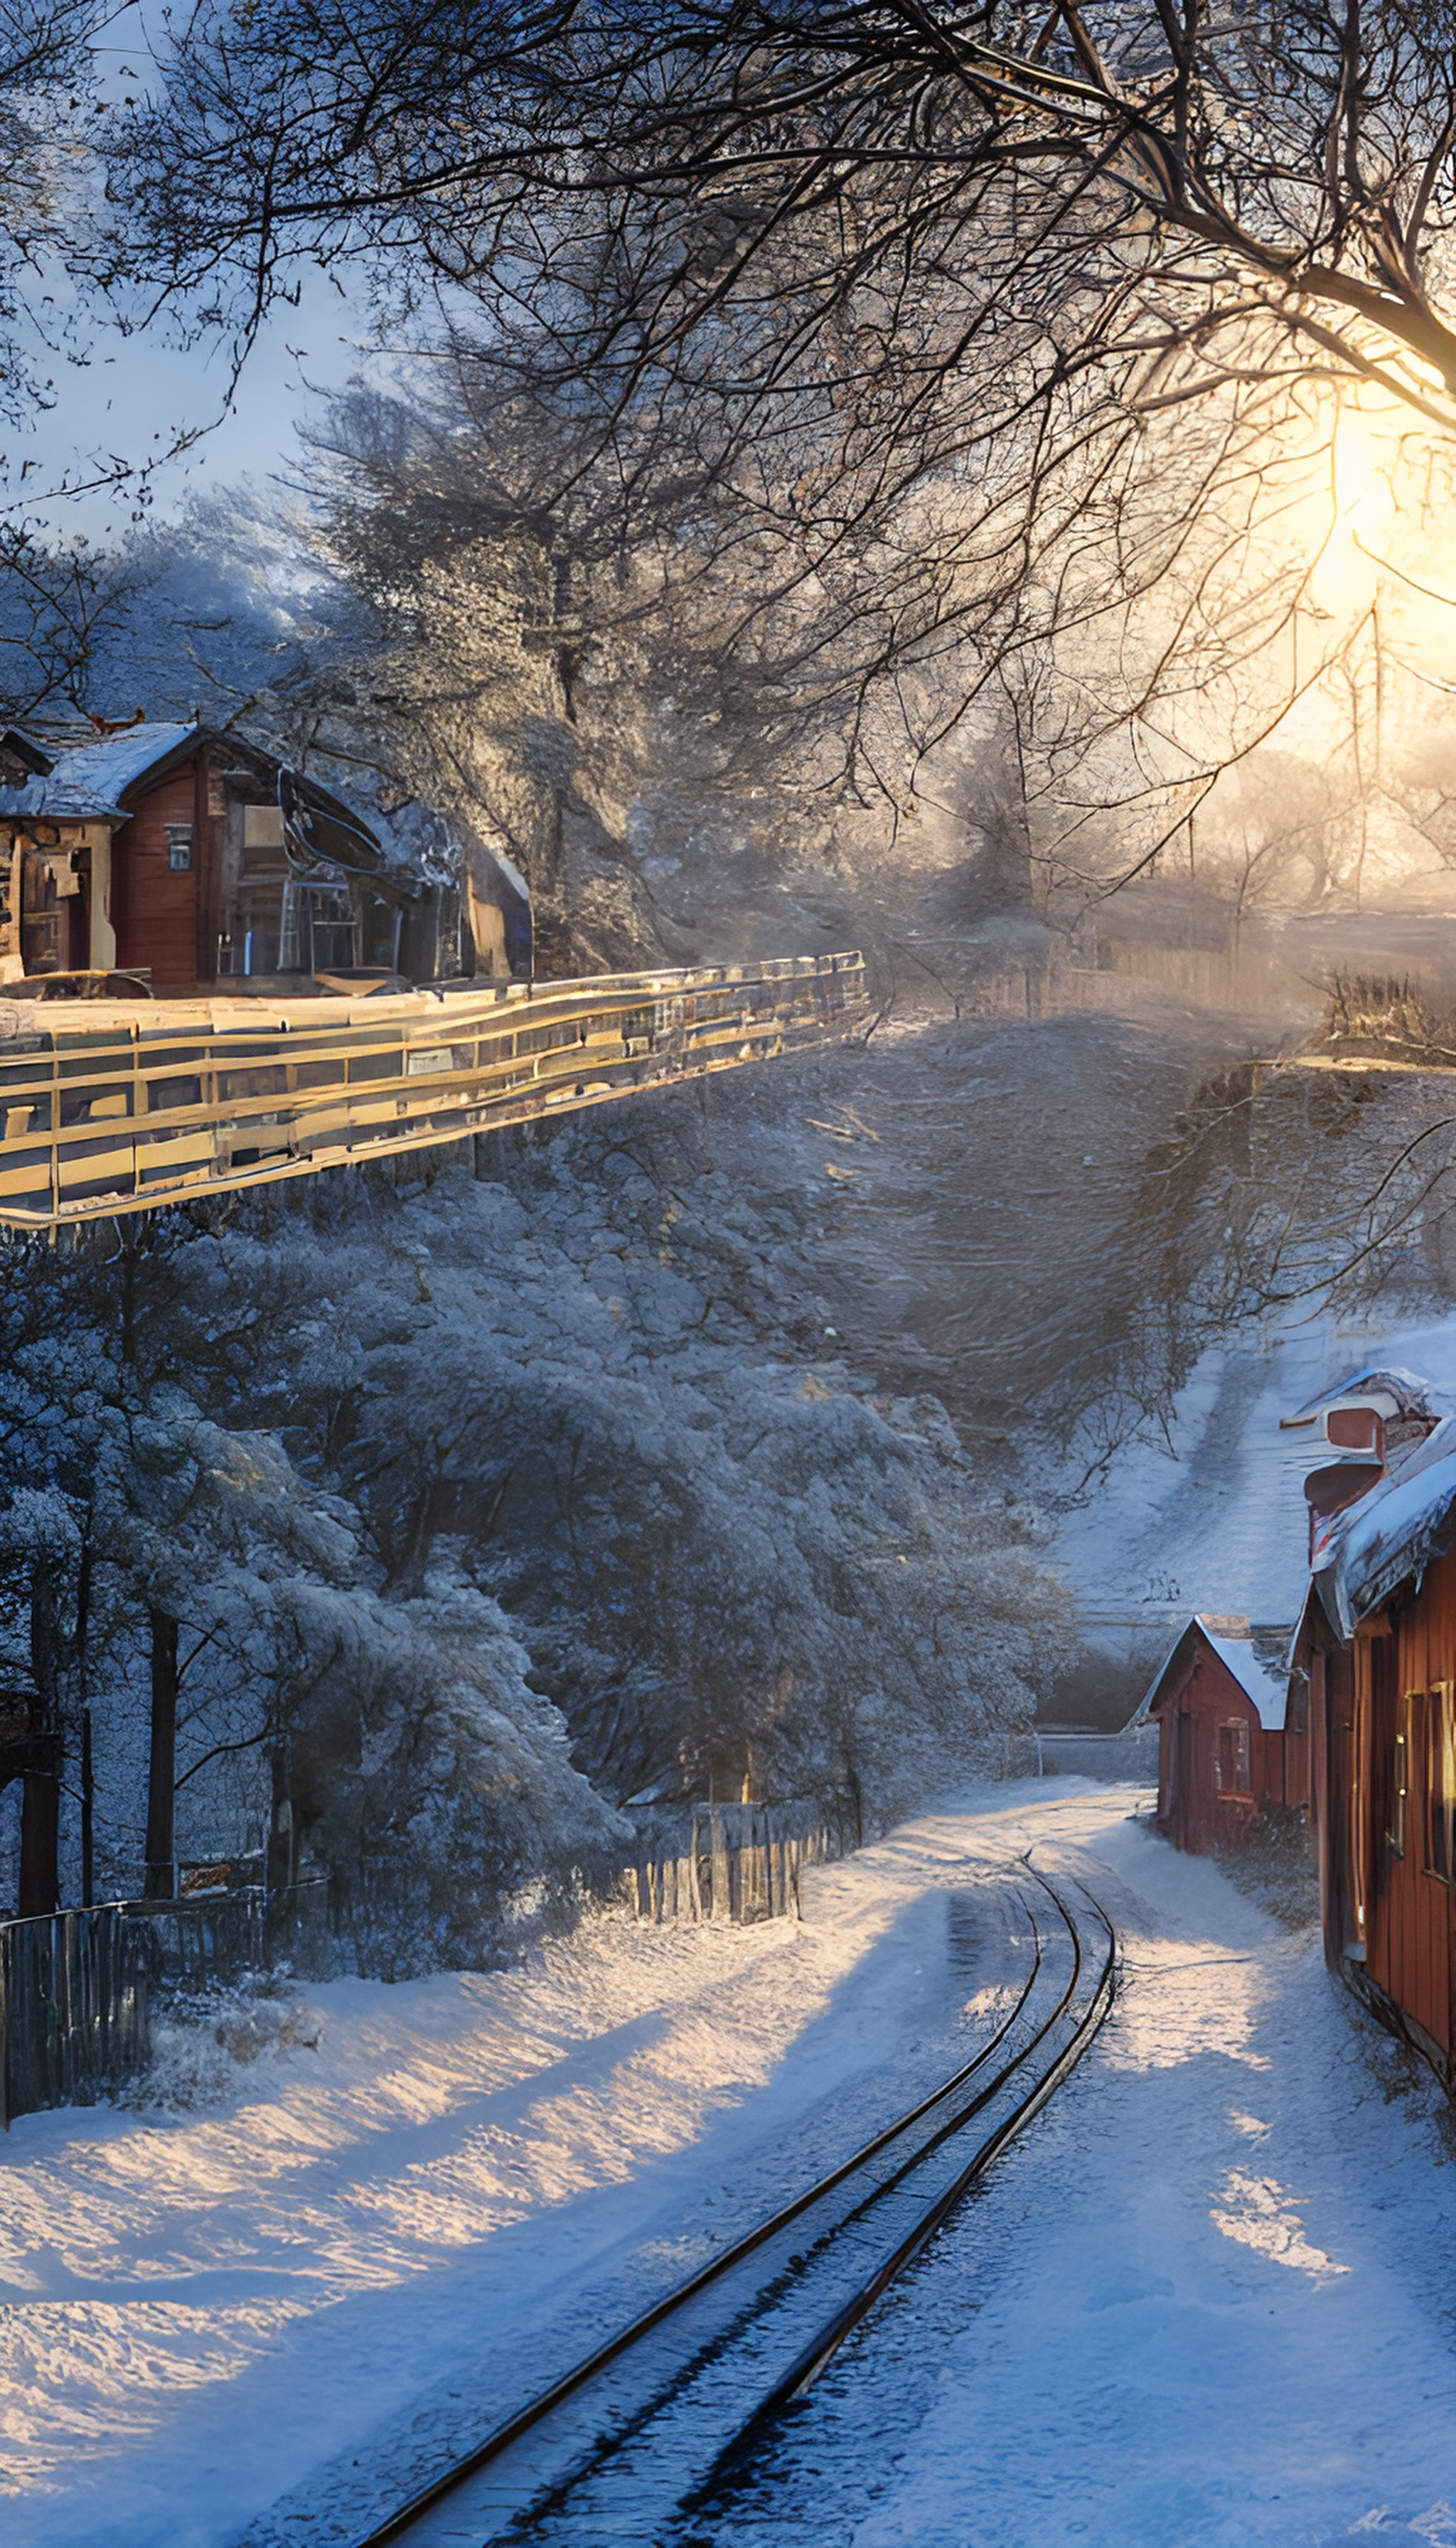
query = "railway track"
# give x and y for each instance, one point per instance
(642, 2433)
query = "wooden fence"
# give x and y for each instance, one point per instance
(74, 2014)
(124, 1108)
(76, 1989)
(216, 1939)
(742, 1864)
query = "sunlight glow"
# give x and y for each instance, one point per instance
(1260, 2215)
(1364, 455)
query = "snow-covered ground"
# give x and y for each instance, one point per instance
(1208, 2299)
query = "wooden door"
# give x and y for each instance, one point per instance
(41, 915)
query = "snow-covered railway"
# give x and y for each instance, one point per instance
(125, 1107)
(650, 2428)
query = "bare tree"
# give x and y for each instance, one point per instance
(45, 83)
(909, 311)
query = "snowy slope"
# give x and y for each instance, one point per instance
(1220, 1525)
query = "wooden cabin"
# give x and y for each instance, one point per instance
(1377, 1645)
(1226, 1753)
(187, 858)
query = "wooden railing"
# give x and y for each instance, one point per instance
(742, 1863)
(124, 1108)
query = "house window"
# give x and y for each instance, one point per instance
(1231, 1757)
(334, 936)
(1440, 1785)
(179, 848)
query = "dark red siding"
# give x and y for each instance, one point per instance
(1408, 1908)
(155, 911)
(1196, 1810)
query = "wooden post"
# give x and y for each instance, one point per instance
(160, 1883)
(722, 1870)
(40, 1839)
(88, 1816)
(695, 1877)
(756, 1904)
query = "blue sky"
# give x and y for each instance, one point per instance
(132, 394)
(129, 395)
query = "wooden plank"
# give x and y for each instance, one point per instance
(154, 909)
(214, 1044)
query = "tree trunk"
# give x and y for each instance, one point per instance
(162, 1873)
(88, 1816)
(40, 1830)
(281, 1861)
(83, 1699)
(40, 1845)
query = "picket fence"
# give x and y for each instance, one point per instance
(742, 1864)
(77, 1989)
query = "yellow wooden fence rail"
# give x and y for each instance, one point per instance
(126, 1107)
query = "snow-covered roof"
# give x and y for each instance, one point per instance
(89, 781)
(1393, 1533)
(1267, 1686)
(1410, 1393)
(1263, 1682)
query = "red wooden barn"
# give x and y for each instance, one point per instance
(1378, 1645)
(1224, 1750)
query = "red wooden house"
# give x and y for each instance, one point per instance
(1225, 1750)
(1378, 1647)
(189, 858)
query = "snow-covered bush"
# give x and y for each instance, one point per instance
(202, 2040)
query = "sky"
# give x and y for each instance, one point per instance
(132, 394)
(133, 397)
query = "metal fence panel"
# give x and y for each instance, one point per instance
(74, 2009)
(77, 1989)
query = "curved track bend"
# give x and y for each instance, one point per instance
(663, 2413)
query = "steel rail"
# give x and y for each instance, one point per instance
(751, 2429)
(514, 2429)
(831, 2334)
(816, 2357)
